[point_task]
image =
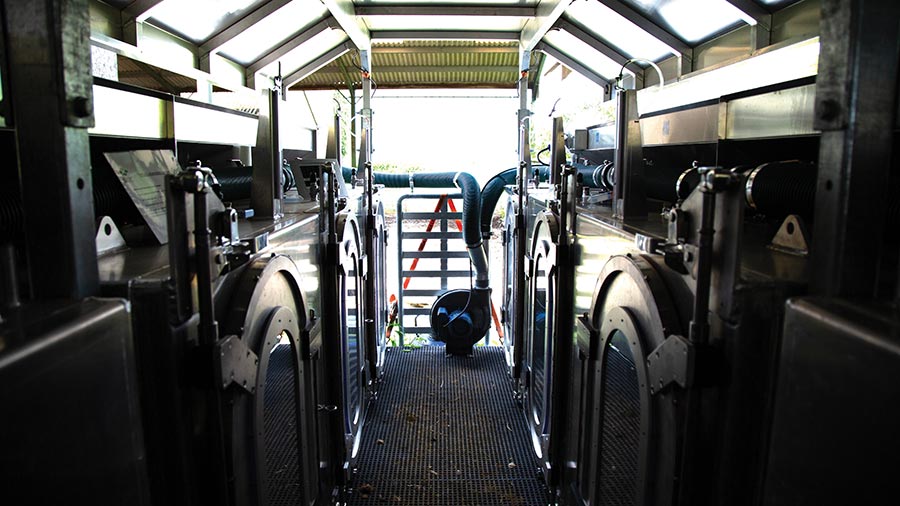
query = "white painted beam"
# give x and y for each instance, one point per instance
(546, 15)
(345, 13)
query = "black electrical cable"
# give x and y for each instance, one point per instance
(538, 155)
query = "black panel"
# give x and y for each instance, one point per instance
(837, 411)
(70, 432)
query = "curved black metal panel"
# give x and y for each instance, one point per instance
(540, 313)
(352, 315)
(267, 311)
(629, 441)
(512, 291)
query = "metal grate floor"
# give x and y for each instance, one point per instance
(446, 431)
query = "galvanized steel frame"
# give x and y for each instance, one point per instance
(443, 217)
(856, 105)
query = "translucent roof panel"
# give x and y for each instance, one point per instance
(479, 23)
(605, 24)
(119, 4)
(273, 31)
(525, 3)
(694, 21)
(306, 52)
(198, 20)
(583, 53)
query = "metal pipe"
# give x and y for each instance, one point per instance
(179, 272)
(202, 253)
(699, 327)
(619, 161)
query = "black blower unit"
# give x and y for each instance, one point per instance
(460, 318)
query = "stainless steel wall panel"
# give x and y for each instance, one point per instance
(782, 113)
(690, 126)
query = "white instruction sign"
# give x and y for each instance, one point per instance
(143, 174)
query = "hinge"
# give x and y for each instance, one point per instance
(671, 362)
(236, 363)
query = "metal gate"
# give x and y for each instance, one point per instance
(434, 238)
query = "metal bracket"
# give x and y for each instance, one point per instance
(594, 333)
(671, 362)
(228, 225)
(677, 225)
(236, 363)
(108, 236)
(791, 237)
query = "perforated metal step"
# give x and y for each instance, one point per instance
(446, 431)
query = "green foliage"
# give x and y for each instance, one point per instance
(408, 344)
(393, 168)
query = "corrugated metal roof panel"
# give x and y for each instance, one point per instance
(493, 23)
(428, 63)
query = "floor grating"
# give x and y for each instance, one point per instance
(446, 431)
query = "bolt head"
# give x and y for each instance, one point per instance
(82, 107)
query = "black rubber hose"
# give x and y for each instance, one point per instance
(594, 176)
(471, 195)
(778, 189)
(686, 182)
(235, 182)
(464, 181)
(490, 195)
(492, 191)
(662, 183)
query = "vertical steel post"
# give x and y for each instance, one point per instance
(333, 145)
(629, 194)
(351, 138)
(5, 112)
(365, 63)
(400, 315)
(266, 191)
(519, 233)
(856, 96)
(49, 59)
(557, 151)
(444, 230)
(524, 115)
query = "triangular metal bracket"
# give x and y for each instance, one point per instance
(792, 237)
